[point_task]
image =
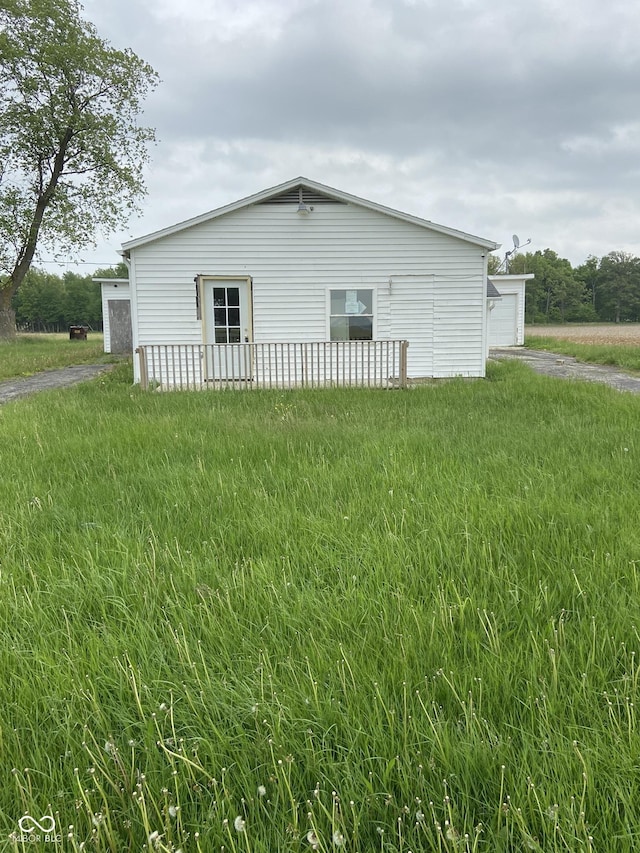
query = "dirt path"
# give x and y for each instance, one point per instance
(12, 389)
(566, 367)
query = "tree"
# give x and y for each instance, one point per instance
(589, 275)
(618, 298)
(71, 149)
(557, 293)
(39, 304)
(82, 300)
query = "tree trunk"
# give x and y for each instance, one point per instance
(7, 315)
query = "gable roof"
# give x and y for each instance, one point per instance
(318, 193)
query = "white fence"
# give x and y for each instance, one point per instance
(317, 364)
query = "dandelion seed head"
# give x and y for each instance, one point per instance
(239, 824)
(261, 790)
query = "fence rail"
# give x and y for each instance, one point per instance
(316, 364)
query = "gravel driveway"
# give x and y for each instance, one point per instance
(547, 363)
(15, 388)
(567, 367)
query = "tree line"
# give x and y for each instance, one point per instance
(47, 302)
(603, 289)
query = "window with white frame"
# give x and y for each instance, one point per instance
(351, 315)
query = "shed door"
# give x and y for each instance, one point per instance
(503, 322)
(227, 322)
(119, 326)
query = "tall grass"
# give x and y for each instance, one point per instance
(353, 620)
(29, 354)
(621, 355)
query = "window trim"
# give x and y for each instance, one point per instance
(374, 308)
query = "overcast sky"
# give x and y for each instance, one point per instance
(494, 117)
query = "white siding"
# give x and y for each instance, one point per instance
(294, 260)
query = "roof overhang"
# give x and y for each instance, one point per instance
(526, 276)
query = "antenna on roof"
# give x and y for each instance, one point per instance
(516, 245)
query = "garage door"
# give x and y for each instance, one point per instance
(503, 322)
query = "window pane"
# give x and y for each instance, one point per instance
(219, 316)
(219, 296)
(339, 328)
(365, 297)
(360, 328)
(337, 301)
(233, 296)
(221, 335)
(351, 302)
(234, 316)
(234, 336)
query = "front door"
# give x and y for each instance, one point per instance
(227, 321)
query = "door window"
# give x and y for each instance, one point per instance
(226, 315)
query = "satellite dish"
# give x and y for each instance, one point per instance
(516, 241)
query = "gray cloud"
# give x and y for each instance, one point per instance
(484, 115)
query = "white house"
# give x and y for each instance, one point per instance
(116, 314)
(302, 262)
(506, 317)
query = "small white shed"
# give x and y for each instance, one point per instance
(506, 317)
(308, 264)
(116, 314)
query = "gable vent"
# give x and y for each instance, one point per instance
(308, 197)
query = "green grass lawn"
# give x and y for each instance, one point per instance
(332, 620)
(626, 356)
(29, 354)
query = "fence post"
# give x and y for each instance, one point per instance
(404, 345)
(303, 349)
(144, 378)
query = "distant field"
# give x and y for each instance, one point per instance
(590, 333)
(606, 343)
(343, 621)
(31, 353)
